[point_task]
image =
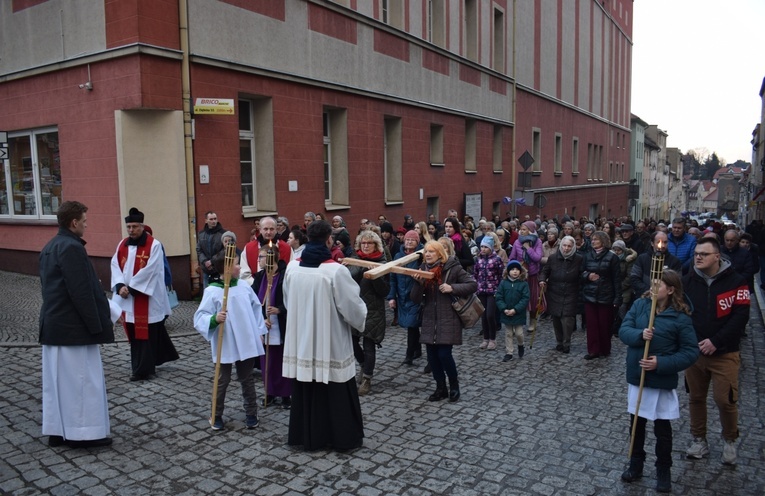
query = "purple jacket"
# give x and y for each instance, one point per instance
(532, 256)
(487, 272)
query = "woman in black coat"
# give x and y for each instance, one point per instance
(602, 294)
(560, 278)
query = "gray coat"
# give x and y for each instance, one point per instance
(74, 311)
(440, 323)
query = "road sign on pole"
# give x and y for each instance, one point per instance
(526, 160)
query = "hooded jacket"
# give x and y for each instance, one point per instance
(674, 344)
(721, 306)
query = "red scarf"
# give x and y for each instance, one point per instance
(140, 301)
(375, 255)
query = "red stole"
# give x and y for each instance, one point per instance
(141, 300)
(252, 250)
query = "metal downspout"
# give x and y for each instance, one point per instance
(513, 173)
(188, 145)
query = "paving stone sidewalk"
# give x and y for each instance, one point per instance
(548, 424)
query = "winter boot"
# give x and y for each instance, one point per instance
(366, 385)
(635, 470)
(663, 480)
(454, 390)
(521, 350)
(440, 393)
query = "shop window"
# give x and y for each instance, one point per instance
(30, 185)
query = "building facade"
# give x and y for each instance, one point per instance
(264, 107)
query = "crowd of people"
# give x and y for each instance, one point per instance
(598, 275)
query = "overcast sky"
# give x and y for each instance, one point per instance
(697, 69)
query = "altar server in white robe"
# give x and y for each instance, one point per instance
(323, 305)
(74, 321)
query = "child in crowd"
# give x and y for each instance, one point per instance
(512, 299)
(673, 348)
(242, 339)
(276, 315)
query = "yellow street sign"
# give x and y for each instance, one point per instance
(220, 106)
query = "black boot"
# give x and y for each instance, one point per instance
(440, 393)
(635, 470)
(663, 480)
(520, 351)
(454, 390)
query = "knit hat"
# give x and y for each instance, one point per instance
(514, 264)
(487, 241)
(229, 234)
(401, 230)
(619, 244)
(412, 235)
(343, 237)
(134, 215)
(531, 225)
(386, 227)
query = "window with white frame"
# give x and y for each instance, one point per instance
(575, 155)
(392, 158)
(256, 156)
(30, 186)
(558, 154)
(536, 149)
(335, 129)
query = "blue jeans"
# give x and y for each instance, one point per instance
(441, 362)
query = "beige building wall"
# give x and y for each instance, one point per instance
(152, 173)
(230, 34)
(62, 30)
(548, 68)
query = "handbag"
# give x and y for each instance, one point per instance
(172, 296)
(469, 308)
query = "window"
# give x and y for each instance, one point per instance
(575, 156)
(437, 24)
(30, 185)
(256, 156)
(590, 162)
(436, 144)
(335, 126)
(499, 41)
(471, 29)
(536, 149)
(558, 154)
(392, 158)
(470, 145)
(497, 156)
(392, 13)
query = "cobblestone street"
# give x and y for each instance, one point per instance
(547, 424)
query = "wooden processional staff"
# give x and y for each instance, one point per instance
(227, 268)
(272, 259)
(657, 267)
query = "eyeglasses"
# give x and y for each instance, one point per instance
(367, 242)
(699, 254)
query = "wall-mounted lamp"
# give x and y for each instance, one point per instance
(88, 85)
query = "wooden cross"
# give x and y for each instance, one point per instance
(379, 270)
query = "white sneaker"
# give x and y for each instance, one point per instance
(698, 449)
(729, 453)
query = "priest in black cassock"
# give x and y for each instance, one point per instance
(138, 278)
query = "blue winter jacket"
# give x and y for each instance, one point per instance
(512, 294)
(682, 248)
(400, 287)
(674, 344)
